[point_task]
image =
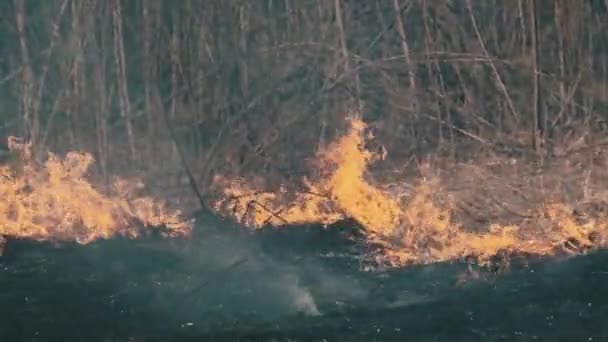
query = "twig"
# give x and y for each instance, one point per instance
(505, 207)
(272, 213)
(182, 157)
(583, 149)
(224, 273)
(500, 83)
(480, 171)
(459, 130)
(317, 194)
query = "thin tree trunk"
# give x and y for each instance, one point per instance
(429, 65)
(27, 80)
(37, 97)
(147, 23)
(498, 79)
(244, 27)
(411, 71)
(174, 56)
(77, 72)
(121, 79)
(563, 95)
(539, 122)
(103, 99)
(344, 49)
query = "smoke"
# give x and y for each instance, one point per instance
(228, 273)
(304, 302)
(219, 278)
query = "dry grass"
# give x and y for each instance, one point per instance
(488, 205)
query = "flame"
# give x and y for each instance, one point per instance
(53, 201)
(419, 231)
(345, 186)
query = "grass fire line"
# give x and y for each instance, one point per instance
(52, 201)
(418, 231)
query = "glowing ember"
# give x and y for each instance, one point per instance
(54, 202)
(421, 231)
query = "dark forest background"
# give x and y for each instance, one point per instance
(258, 86)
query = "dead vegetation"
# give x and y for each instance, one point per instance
(500, 106)
(431, 78)
(465, 210)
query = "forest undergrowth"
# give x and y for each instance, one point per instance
(423, 210)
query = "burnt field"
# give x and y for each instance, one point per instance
(226, 283)
(368, 170)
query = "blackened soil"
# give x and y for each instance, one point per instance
(296, 284)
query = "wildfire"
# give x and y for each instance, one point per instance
(53, 201)
(419, 231)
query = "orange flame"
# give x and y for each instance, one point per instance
(346, 187)
(420, 231)
(54, 202)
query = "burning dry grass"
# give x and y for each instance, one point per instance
(53, 201)
(421, 229)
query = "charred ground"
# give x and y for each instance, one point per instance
(227, 284)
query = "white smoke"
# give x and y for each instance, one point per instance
(304, 302)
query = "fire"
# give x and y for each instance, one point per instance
(419, 231)
(53, 201)
(345, 187)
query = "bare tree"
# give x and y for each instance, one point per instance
(242, 82)
(121, 79)
(539, 122)
(411, 70)
(27, 81)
